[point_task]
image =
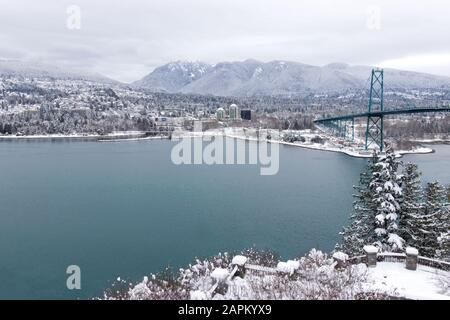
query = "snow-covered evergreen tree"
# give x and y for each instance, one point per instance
(432, 221)
(444, 239)
(391, 211)
(439, 202)
(436, 196)
(361, 230)
(444, 246)
(412, 207)
(387, 196)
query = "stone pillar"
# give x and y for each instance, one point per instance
(240, 262)
(341, 259)
(411, 258)
(371, 254)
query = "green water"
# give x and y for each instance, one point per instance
(123, 209)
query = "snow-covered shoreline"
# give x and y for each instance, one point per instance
(123, 136)
(312, 146)
(133, 139)
(50, 136)
(431, 141)
(351, 153)
(114, 136)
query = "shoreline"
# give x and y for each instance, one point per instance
(133, 139)
(127, 136)
(318, 147)
(354, 154)
(114, 136)
(432, 141)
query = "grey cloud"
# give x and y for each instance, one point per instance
(127, 39)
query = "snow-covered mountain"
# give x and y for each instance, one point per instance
(255, 78)
(174, 76)
(18, 68)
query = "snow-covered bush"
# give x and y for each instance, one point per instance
(265, 258)
(315, 279)
(163, 286)
(170, 286)
(292, 137)
(314, 276)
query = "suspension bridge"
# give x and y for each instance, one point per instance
(344, 126)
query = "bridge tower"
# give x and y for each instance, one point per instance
(375, 119)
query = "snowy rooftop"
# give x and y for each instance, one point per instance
(422, 284)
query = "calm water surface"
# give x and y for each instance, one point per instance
(123, 209)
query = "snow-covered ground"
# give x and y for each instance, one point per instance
(422, 284)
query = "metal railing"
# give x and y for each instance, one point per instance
(401, 258)
(260, 269)
(357, 259)
(433, 263)
(381, 257)
(391, 257)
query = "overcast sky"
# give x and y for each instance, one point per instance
(126, 40)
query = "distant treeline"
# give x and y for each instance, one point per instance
(48, 106)
(420, 128)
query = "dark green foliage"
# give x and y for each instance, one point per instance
(361, 230)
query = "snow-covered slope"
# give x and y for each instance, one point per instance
(174, 76)
(36, 70)
(255, 78)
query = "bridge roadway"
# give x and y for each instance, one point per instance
(383, 113)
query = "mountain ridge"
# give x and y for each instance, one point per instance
(279, 77)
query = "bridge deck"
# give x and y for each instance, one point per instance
(383, 113)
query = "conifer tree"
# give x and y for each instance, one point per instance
(412, 207)
(391, 211)
(361, 232)
(444, 246)
(443, 226)
(387, 196)
(432, 222)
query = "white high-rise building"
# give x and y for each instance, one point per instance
(234, 112)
